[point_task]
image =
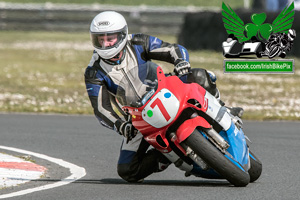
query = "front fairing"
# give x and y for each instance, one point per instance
(156, 100)
(143, 100)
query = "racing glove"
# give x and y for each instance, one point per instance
(126, 129)
(182, 67)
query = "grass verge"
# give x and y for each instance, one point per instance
(43, 72)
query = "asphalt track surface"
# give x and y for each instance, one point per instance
(82, 141)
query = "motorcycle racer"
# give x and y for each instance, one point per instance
(116, 53)
(282, 42)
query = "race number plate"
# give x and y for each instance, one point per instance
(162, 109)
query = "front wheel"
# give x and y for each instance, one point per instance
(224, 165)
(255, 167)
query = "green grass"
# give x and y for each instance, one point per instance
(42, 79)
(43, 72)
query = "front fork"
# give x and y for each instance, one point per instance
(189, 152)
(185, 130)
(181, 164)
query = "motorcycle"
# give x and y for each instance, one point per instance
(277, 45)
(188, 125)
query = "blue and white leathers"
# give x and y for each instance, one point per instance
(102, 76)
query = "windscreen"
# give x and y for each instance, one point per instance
(137, 85)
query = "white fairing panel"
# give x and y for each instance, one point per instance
(217, 112)
(162, 109)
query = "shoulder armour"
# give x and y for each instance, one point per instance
(90, 76)
(90, 73)
(139, 39)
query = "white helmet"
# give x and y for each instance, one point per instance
(105, 24)
(291, 35)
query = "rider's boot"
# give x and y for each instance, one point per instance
(162, 162)
(162, 166)
(236, 111)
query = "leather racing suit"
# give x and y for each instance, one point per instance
(102, 78)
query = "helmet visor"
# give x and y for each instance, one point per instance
(108, 40)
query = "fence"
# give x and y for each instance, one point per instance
(74, 17)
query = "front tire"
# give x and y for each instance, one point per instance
(217, 160)
(255, 167)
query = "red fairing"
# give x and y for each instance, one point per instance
(189, 126)
(183, 92)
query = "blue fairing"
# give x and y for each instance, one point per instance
(238, 146)
(238, 149)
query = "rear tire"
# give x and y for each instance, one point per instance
(217, 160)
(255, 168)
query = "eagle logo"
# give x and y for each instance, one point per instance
(244, 32)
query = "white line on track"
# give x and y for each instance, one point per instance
(76, 173)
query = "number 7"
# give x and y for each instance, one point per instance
(161, 107)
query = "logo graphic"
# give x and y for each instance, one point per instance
(258, 38)
(103, 23)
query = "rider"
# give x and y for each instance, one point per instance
(116, 52)
(283, 40)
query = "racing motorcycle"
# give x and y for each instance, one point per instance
(278, 44)
(188, 125)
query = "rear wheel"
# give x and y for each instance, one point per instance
(221, 163)
(255, 168)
